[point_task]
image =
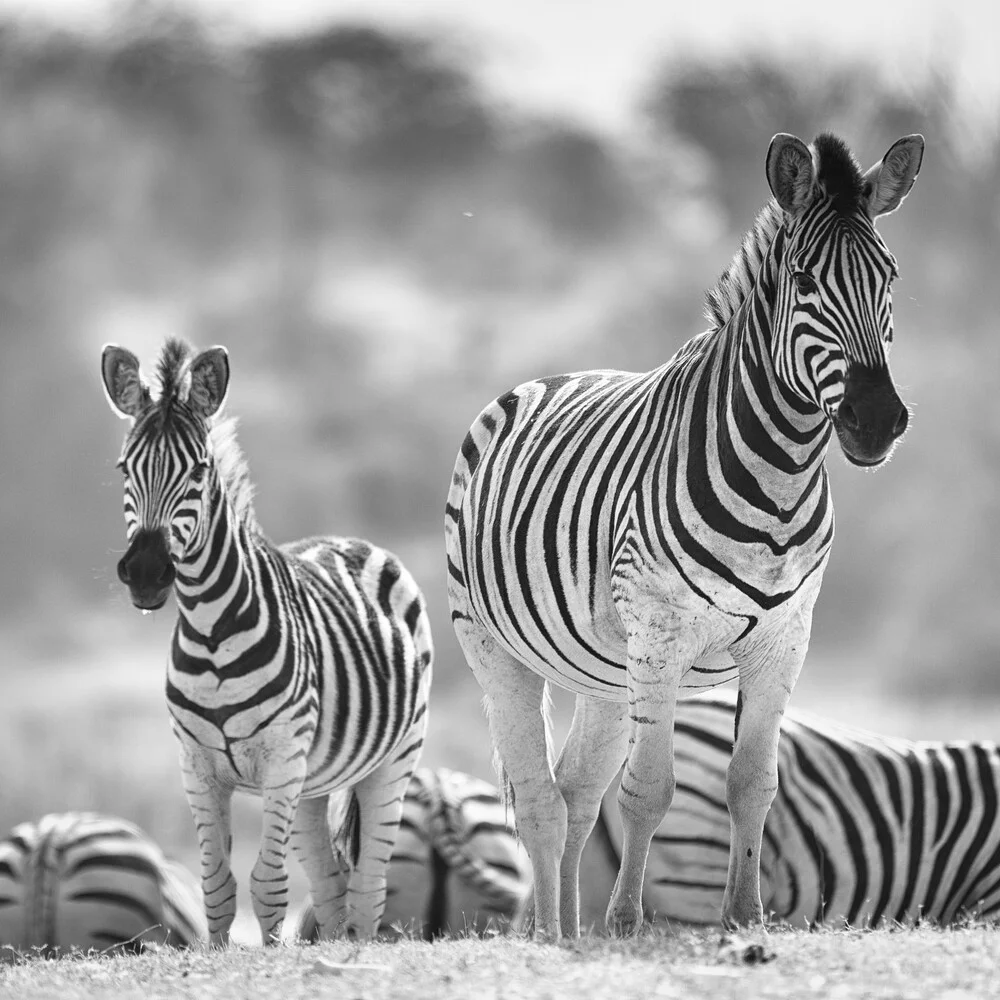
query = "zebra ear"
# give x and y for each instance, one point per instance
(791, 172)
(126, 390)
(890, 180)
(209, 375)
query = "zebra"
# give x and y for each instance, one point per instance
(294, 671)
(864, 829)
(457, 866)
(629, 536)
(84, 881)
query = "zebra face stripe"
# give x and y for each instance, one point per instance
(833, 326)
(166, 487)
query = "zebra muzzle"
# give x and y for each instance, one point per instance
(146, 569)
(871, 417)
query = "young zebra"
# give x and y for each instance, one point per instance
(458, 867)
(83, 881)
(628, 536)
(294, 672)
(864, 828)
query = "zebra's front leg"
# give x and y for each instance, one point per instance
(766, 682)
(325, 868)
(647, 786)
(269, 876)
(209, 802)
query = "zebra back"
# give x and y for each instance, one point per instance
(457, 866)
(864, 828)
(84, 881)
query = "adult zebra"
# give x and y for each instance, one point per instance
(294, 672)
(864, 828)
(627, 536)
(457, 868)
(81, 881)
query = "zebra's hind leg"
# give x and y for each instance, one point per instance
(209, 802)
(379, 799)
(516, 704)
(593, 753)
(325, 868)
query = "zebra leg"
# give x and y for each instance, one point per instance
(593, 753)
(269, 876)
(209, 803)
(516, 705)
(766, 683)
(326, 871)
(380, 808)
(647, 787)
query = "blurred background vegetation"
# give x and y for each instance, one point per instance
(383, 247)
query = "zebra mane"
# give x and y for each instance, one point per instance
(232, 468)
(734, 284)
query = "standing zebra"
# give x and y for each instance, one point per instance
(629, 536)
(83, 881)
(863, 829)
(294, 672)
(457, 867)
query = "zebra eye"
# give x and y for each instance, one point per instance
(804, 282)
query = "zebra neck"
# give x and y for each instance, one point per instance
(765, 434)
(215, 587)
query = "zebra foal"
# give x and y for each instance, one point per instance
(631, 536)
(294, 671)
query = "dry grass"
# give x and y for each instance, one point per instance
(917, 963)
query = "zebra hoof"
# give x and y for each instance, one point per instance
(624, 918)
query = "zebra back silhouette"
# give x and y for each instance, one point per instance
(294, 671)
(629, 536)
(457, 867)
(864, 828)
(82, 881)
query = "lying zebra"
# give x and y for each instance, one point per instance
(79, 881)
(864, 828)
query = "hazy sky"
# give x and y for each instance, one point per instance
(591, 56)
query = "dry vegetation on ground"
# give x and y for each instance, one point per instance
(883, 964)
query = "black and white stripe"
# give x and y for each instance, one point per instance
(294, 671)
(457, 868)
(82, 882)
(629, 536)
(864, 829)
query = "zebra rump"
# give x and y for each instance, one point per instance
(457, 867)
(864, 829)
(81, 881)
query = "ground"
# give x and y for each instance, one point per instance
(958, 964)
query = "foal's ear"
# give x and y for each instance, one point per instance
(791, 172)
(127, 391)
(209, 373)
(892, 177)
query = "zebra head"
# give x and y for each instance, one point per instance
(166, 459)
(833, 305)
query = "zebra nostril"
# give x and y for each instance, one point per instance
(902, 421)
(123, 571)
(848, 417)
(166, 575)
